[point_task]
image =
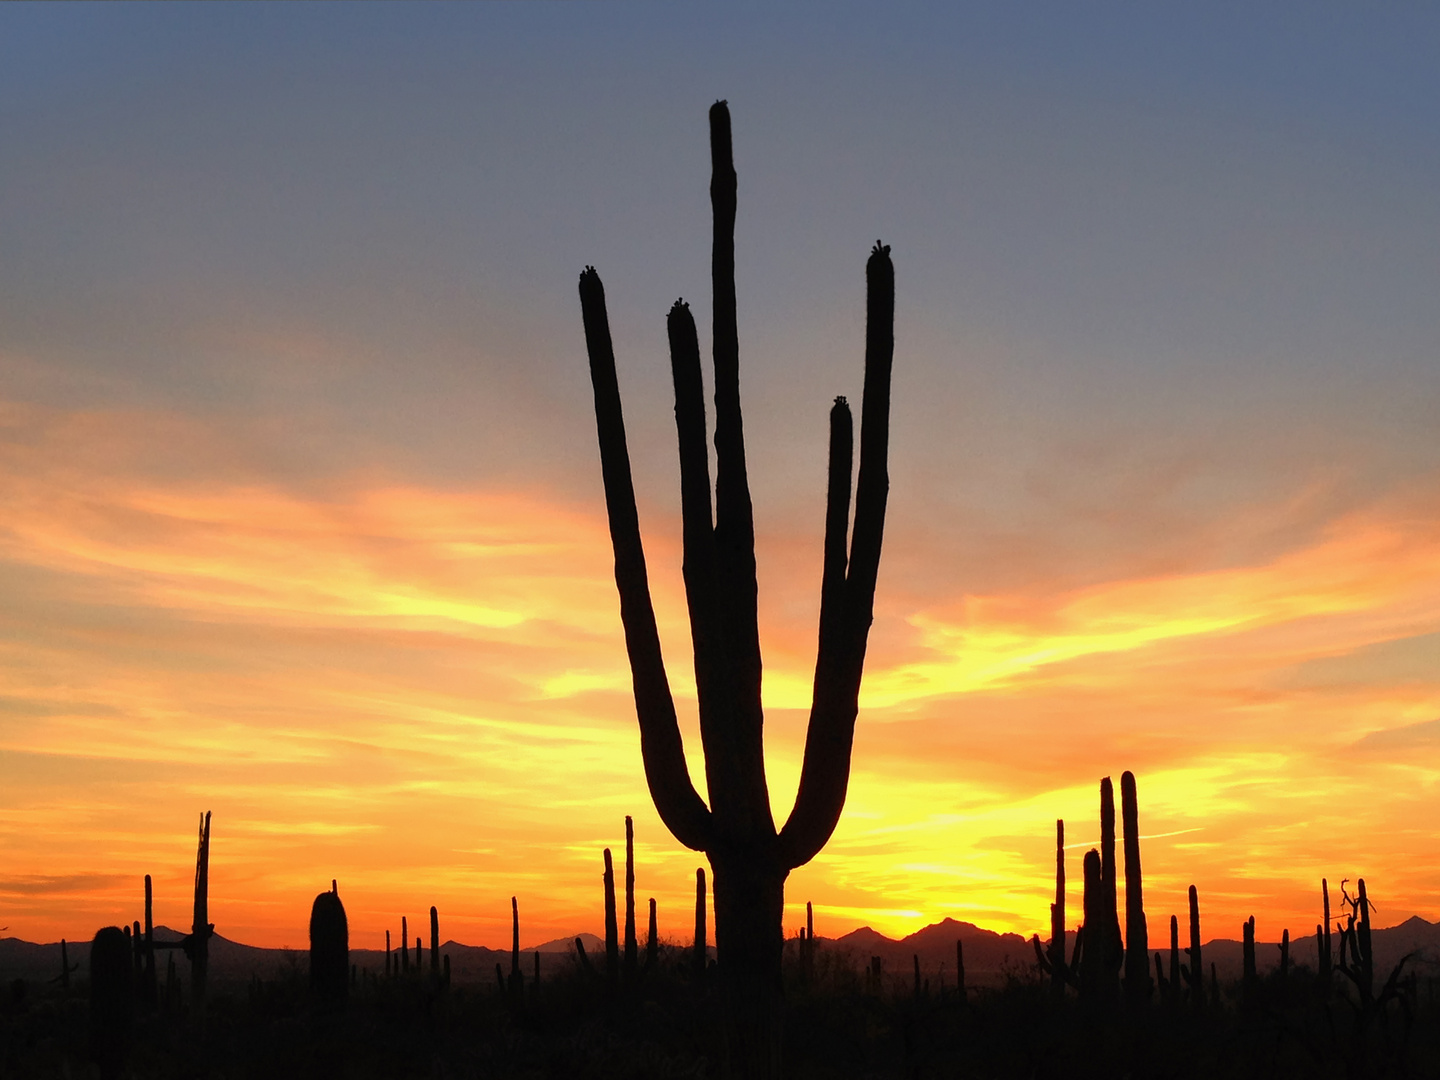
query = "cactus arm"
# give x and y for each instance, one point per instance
(847, 612)
(661, 748)
(740, 769)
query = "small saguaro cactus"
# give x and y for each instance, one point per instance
(404, 944)
(329, 949)
(111, 1000)
(960, 969)
(1094, 929)
(1195, 970)
(434, 942)
(149, 992)
(1284, 956)
(1248, 956)
(517, 979)
(1137, 936)
(1112, 946)
(612, 933)
(1056, 956)
(652, 940)
(632, 951)
(387, 954)
(699, 949)
(201, 927)
(1174, 959)
(1323, 965)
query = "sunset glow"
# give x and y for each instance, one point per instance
(327, 554)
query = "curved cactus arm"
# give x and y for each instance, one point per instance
(847, 607)
(679, 806)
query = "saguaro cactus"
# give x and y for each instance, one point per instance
(631, 948)
(201, 927)
(1195, 975)
(699, 948)
(148, 989)
(612, 944)
(750, 858)
(1137, 936)
(1247, 952)
(405, 944)
(329, 949)
(1323, 965)
(111, 1000)
(435, 942)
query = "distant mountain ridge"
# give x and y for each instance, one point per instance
(988, 955)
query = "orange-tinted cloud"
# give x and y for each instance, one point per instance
(417, 691)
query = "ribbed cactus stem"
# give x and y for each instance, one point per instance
(434, 942)
(329, 950)
(1109, 927)
(1174, 958)
(612, 934)
(111, 1000)
(1057, 917)
(959, 968)
(200, 927)
(1137, 935)
(632, 951)
(1197, 967)
(1095, 928)
(149, 991)
(1322, 939)
(652, 939)
(1365, 958)
(699, 946)
(1248, 955)
(404, 944)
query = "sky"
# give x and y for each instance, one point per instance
(302, 514)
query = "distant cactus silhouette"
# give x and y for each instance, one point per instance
(652, 940)
(1323, 963)
(1174, 959)
(1247, 953)
(1357, 960)
(1137, 935)
(632, 952)
(148, 989)
(699, 948)
(1094, 930)
(111, 1000)
(201, 928)
(612, 942)
(749, 857)
(66, 969)
(1195, 971)
(388, 972)
(1284, 956)
(434, 942)
(1052, 958)
(517, 979)
(329, 949)
(1111, 947)
(405, 945)
(960, 968)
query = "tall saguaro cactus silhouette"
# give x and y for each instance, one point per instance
(749, 857)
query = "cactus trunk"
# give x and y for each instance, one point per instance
(201, 927)
(434, 942)
(1197, 967)
(699, 948)
(329, 949)
(1137, 936)
(612, 943)
(1248, 956)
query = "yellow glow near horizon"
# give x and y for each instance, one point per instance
(416, 691)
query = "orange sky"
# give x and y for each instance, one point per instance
(300, 504)
(423, 693)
